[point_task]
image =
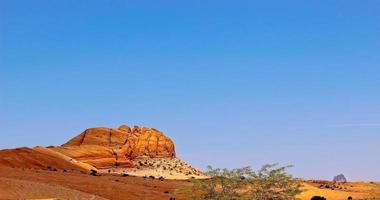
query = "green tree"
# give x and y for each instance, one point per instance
(223, 184)
(268, 183)
(273, 183)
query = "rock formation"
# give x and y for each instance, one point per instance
(38, 158)
(340, 178)
(109, 147)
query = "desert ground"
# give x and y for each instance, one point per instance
(340, 191)
(18, 183)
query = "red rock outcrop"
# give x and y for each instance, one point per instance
(108, 147)
(33, 158)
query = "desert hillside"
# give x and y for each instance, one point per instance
(137, 151)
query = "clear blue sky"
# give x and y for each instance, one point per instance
(233, 83)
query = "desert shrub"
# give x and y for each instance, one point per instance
(268, 183)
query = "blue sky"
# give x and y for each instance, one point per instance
(233, 83)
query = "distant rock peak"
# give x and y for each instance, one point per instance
(340, 178)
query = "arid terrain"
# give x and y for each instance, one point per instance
(340, 191)
(19, 183)
(122, 163)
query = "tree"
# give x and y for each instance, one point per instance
(273, 183)
(268, 183)
(223, 184)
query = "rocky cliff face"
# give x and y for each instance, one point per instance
(109, 147)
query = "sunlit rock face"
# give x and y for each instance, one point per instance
(109, 147)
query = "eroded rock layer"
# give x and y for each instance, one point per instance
(109, 147)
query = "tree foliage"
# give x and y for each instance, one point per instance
(273, 183)
(268, 183)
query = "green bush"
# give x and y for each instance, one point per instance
(268, 183)
(273, 183)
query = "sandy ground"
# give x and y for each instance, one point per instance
(60, 183)
(22, 189)
(167, 168)
(357, 190)
(17, 183)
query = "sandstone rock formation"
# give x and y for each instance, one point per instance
(38, 158)
(109, 147)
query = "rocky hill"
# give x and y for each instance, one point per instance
(111, 147)
(138, 151)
